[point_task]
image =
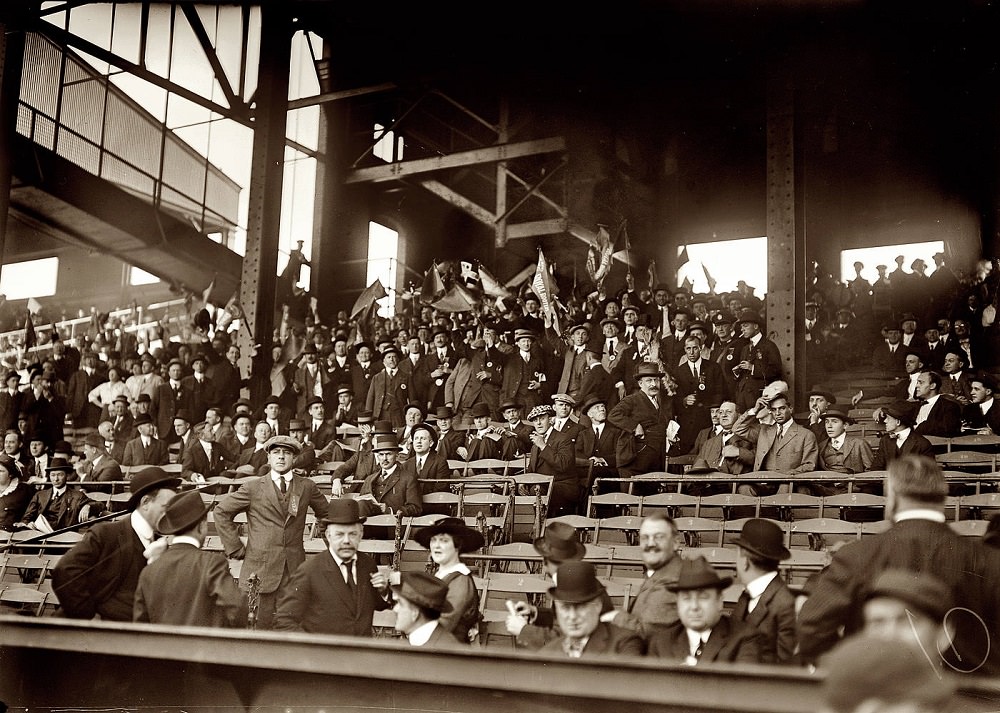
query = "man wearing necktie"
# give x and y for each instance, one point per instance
(60, 505)
(275, 524)
(702, 633)
(390, 488)
(574, 360)
(524, 372)
(700, 384)
(645, 413)
(336, 591)
(552, 453)
(145, 449)
(782, 447)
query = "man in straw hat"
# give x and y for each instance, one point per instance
(578, 598)
(702, 633)
(100, 573)
(60, 505)
(766, 604)
(336, 591)
(421, 600)
(919, 541)
(275, 505)
(187, 585)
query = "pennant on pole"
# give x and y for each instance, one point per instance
(30, 339)
(207, 294)
(541, 285)
(433, 287)
(368, 297)
(711, 280)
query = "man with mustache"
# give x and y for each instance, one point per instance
(646, 414)
(654, 603)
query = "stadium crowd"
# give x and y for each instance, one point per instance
(635, 378)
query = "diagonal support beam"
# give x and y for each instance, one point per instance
(491, 154)
(459, 201)
(194, 20)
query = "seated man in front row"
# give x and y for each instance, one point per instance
(391, 488)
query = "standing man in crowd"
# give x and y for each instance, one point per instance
(645, 414)
(276, 505)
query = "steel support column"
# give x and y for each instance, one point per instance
(786, 266)
(11, 63)
(260, 263)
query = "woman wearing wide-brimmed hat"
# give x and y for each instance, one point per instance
(448, 539)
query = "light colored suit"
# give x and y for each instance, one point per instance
(797, 452)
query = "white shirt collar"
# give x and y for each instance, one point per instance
(985, 405)
(422, 634)
(838, 442)
(755, 339)
(919, 514)
(932, 400)
(185, 540)
(757, 586)
(901, 436)
(58, 491)
(142, 528)
(696, 638)
(287, 477)
(457, 567)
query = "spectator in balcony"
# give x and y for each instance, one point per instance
(839, 451)
(899, 438)
(938, 415)
(983, 415)
(104, 394)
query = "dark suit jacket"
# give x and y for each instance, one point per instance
(195, 460)
(196, 396)
(856, 452)
(100, 573)
(597, 382)
(318, 600)
(944, 419)
(14, 504)
(387, 397)
(135, 454)
(164, 406)
(557, 459)
(888, 450)
(774, 619)
(107, 469)
(435, 468)
(636, 408)
(361, 379)
(188, 586)
(959, 388)
(710, 455)
(517, 374)
(708, 390)
(10, 406)
(62, 512)
(890, 362)
(275, 527)
(977, 419)
(320, 438)
(963, 563)
(728, 641)
(400, 492)
(607, 640)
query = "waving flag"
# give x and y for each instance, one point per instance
(371, 294)
(542, 286)
(711, 280)
(433, 287)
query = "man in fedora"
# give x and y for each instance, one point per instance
(60, 505)
(420, 599)
(899, 438)
(449, 439)
(275, 505)
(759, 361)
(599, 448)
(305, 461)
(578, 598)
(145, 449)
(426, 463)
(100, 573)
(533, 625)
(311, 379)
(766, 604)
(481, 441)
(390, 488)
(390, 389)
(645, 413)
(702, 633)
(186, 585)
(336, 591)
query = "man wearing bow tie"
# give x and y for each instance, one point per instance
(899, 438)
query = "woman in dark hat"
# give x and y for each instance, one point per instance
(448, 539)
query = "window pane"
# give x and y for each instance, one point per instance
(32, 278)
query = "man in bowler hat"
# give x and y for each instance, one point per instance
(336, 591)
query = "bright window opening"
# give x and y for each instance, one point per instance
(138, 276)
(886, 255)
(722, 264)
(384, 147)
(383, 257)
(31, 278)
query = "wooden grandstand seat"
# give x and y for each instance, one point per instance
(617, 503)
(517, 557)
(698, 531)
(721, 506)
(731, 529)
(719, 557)
(967, 460)
(586, 527)
(844, 503)
(978, 507)
(990, 442)
(622, 528)
(875, 528)
(802, 564)
(18, 569)
(384, 625)
(444, 502)
(969, 528)
(24, 600)
(495, 508)
(791, 506)
(822, 533)
(620, 590)
(675, 504)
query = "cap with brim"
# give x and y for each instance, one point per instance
(444, 412)
(313, 401)
(184, 511)
(522, 333)
(122, 397)
(564, 398)
(764, 539)
(385, 442)
(12, 375)
(697, 573)
(143, 398)
(577, 327)
(345, 390)
(541, 410)
(148, 480)
(466, 539)
(748, 315)
(830, 398)
(612, 320)
(559, 543)
(184, 415)
(576, 583)
(342, 511)
(282, 442)
(309, 348)
(837, 413)
(440, 329)
(59, 463)
(391, 349)
(272, 399)
(424, 590)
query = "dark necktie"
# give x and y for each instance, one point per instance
(349, 570)
(283, 485)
